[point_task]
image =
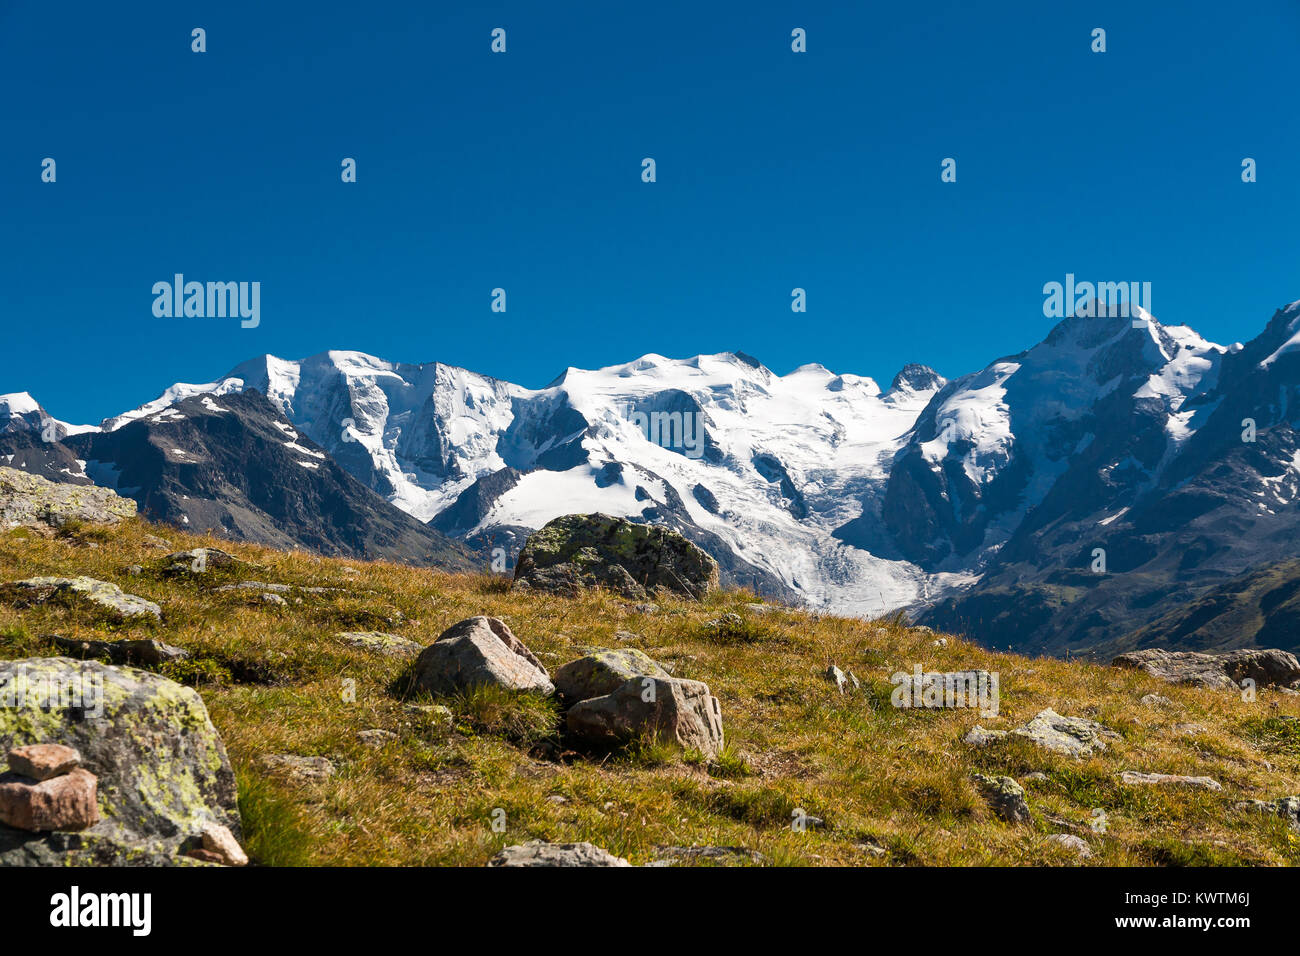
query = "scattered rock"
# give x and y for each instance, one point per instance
(161, 766)
(198, 561)
(434, 712)
(66, 802)
(626, 636)
(940, 642)
(1138, 778)
(1156, 700)
(133, 570)
(1288, 808)
(479, 651)
(268, 598)
(389, 645)
(838, 678)
(43, 761)
(1036, 777)
(108, 597)
(585, 551)
(1267, 668)
(1074, 736)
(155, 542)
(376, 738)
(672, 855)
(32, 501)
(1005, 797)
(221, 844)
(298, 767)
(541, 853)
(143, 653)
(1072, 843)
(646, 608)
(674, 711)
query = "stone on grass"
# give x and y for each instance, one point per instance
(635, 560)
(198, 561)
(476, 652)
(602, 671)
(1222, 671)
(1073, 736)
(221, 843)
(1005, 797)
(1140, 778)
(1072, 843)
(390, 645)
(541, 853)
(297, 767)
(105, 596)
(1288, 808)
(666, 709)
(142, 653)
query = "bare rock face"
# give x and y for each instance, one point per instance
(541, 853)
(161, 766)
(674, 711)
(597, 550)
(30, 500)
(479, 651)
(1267, 668)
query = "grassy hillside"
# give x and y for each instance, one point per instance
(893, 786)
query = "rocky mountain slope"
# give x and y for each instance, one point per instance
(1057, 500)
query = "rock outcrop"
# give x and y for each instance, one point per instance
(109, 598)
(586, 551)
(29, 500)
(1227, 670)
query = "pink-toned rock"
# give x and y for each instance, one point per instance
(69, 802)
(43, 761)
(219, 841)
(205, 856)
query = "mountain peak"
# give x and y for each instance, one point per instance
(917, 378)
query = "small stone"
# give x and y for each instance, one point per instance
(67, 802)
(1139, 778)
(134, 570)
(557, 799)
(268, 598)
(143, 653)
(940, 642)
(541, 853)
(626, 636)
(1156, 700)
(1071, 842)
(376, 738)
(221, 843)
(838, 677)
(1005, 797)
(43, 761)
(1036, 776)
(298, 767)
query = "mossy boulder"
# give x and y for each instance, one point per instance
(602, 672)
(162, 767)
(29, 500)
(597, 550)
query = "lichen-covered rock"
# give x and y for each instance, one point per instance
(1005, 797)
(199, 561)
(107, 597)
(1139, 778)
(670, 710)
(597, 550)
(479, 651)
(1288, 808)
(1223, 671)
(389, 645)
(1073, 736)
(141, 653)
(161, 766)
(541, 853)
(30, 500)
(602, 672)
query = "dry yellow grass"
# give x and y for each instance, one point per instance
(275, 680)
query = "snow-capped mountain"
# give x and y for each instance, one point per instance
(758, 468)
(979, 503)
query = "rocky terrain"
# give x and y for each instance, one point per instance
(286, 708)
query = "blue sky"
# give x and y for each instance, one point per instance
(523, 171)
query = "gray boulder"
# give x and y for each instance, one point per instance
(1005, 797)
(107, 597)
(1222, 671)
(1073, 736)
(586, 551)
(1140, 778)
(389, 645)
(602, 672)
(161, 766)
(32, 501)
(479, 651)
(541, 853)
(1288, 808)
(670, 710)
(142, 653)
